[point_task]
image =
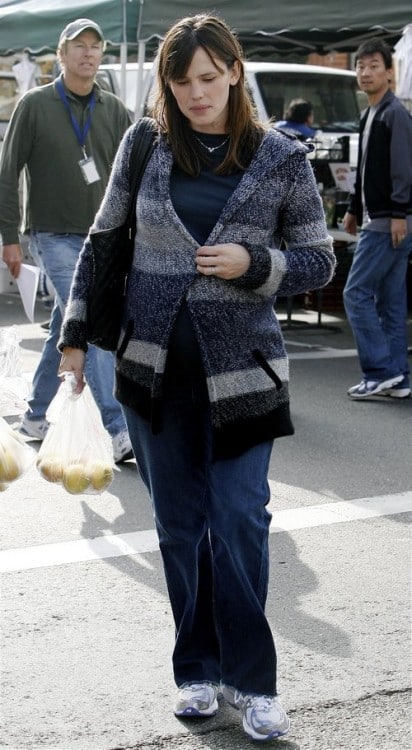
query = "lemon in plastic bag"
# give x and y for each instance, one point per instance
(77, 451)
(16, 457)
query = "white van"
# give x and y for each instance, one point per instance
(332, 92)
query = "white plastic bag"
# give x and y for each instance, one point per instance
(14, 388)
(16, 457)
(77, 451)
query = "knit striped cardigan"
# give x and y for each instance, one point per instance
(239, 336)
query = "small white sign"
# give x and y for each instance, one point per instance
(344, 176)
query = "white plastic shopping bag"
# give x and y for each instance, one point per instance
(14, 388)
(77, 451)
(16, 457)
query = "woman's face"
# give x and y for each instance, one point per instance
(202, 95)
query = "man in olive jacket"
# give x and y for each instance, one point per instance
(64, 136)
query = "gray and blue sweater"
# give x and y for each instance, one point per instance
(276, 203)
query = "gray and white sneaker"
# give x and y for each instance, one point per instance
(32, 429)
(263, 716)
(196, 699)
(400, 390)
(122, 447)
(367, 388)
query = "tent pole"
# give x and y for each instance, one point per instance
(123, 53)
(123, 61)
(141, 56)
(139, 82)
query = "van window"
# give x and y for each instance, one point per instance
(334, 98)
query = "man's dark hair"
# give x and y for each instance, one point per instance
(373, 47)
(298, 110)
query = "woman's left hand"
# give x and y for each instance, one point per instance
(72, 361)
(227, 261)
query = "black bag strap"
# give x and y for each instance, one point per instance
(142, 149)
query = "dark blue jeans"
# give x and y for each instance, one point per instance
(213, 529)
(56, 255)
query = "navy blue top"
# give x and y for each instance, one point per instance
(198, 202)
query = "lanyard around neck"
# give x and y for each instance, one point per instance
(81, 132)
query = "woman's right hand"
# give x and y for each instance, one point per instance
(73, 361)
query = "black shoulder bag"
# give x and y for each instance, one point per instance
(112, 251)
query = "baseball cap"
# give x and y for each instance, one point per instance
(75, 28)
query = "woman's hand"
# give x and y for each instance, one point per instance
(73, 361)
(226, 261)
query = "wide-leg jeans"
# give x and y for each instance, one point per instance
(375, 298)
(56, 255)
(213, 525)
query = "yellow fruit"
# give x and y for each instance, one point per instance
(3, 487)
(51, 468)
(9, 468)
(101, 475)
(75, 479)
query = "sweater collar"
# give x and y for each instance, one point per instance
(96, 88)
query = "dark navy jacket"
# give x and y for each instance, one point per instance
(388, 168)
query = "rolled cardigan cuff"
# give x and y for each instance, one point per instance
(259, 269)
(73, 334)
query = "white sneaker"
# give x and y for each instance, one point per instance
(263, 716)
(32, 429)
(122, 447)
(400, 390)
(196, 699)
(367, 388)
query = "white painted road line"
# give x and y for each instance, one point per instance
(140, 542)
(323, 354)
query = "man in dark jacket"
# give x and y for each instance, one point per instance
(375, 294)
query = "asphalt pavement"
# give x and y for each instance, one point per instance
(86, 627)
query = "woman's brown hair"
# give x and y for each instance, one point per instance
(174, 58)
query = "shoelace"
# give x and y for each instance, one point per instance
(261, 702)
(196, 687)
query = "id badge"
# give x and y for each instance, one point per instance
(89, 170)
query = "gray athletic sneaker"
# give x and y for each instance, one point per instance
(196, 699)
(32, 429)
(367, 388)
(263, 716)
(400, 390)
(122, 447)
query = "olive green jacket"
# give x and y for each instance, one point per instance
(41, 140)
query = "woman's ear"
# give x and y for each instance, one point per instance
(235, 73)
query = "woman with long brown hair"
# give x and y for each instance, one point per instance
(228, 217)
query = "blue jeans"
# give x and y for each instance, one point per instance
(56, 255)
(213, 527)
(375, 298)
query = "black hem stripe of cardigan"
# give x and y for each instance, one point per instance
(229, 441)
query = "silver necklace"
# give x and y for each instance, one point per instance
(211, 149)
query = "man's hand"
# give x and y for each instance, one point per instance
(73, 361)
(227, 261)
(12, 256)
(398, 231)
(349, 223)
